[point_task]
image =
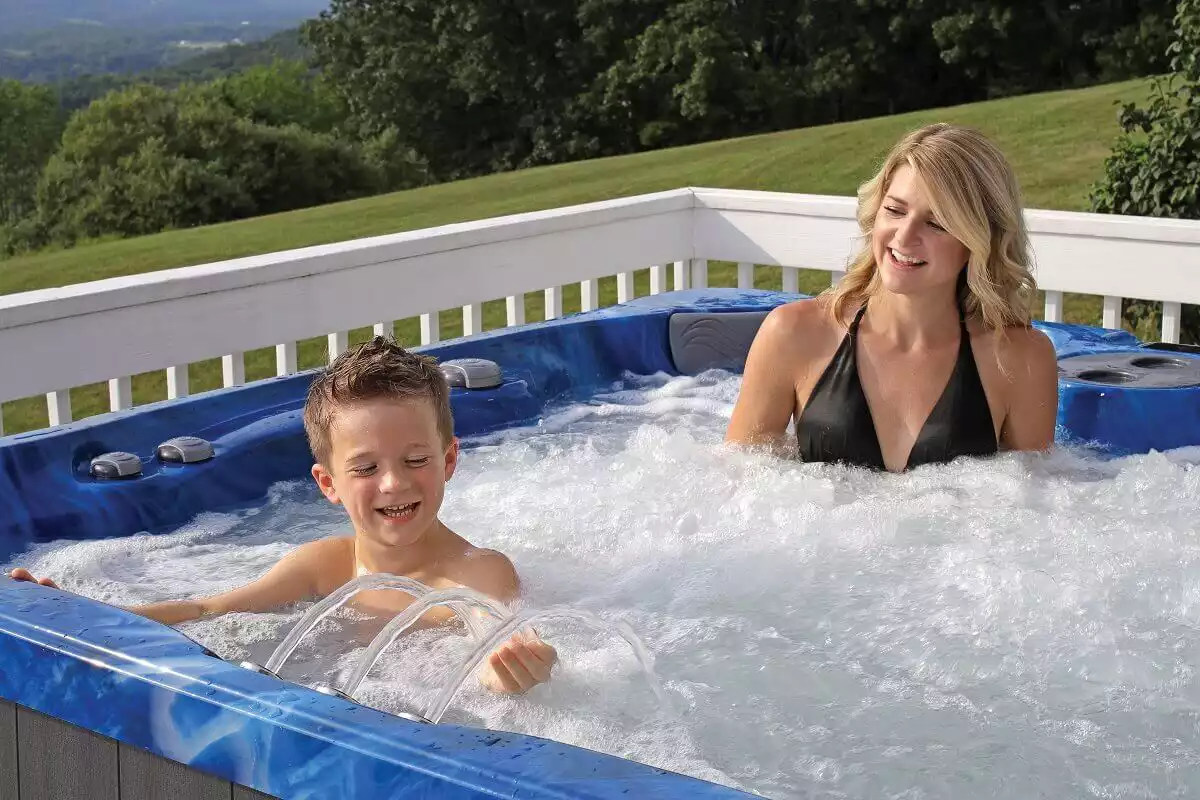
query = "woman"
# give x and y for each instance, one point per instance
(924, 351)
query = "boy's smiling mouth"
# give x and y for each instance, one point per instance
(399, 513)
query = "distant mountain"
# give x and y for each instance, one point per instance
(73, 50)
(79, 91)
(24, 15)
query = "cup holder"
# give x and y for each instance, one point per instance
(1110, 376)
(1132, 370)
(1158, 362)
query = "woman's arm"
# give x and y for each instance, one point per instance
(767, 398)
(1033, 396)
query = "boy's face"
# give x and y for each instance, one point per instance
(388, 466)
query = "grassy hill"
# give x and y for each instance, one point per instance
(1056, 141)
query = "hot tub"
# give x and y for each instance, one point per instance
(977, 655)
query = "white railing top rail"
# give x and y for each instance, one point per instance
(52, 339)
(41, 305)
(1101, 254)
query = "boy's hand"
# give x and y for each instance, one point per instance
(21, 574)
(518, 665)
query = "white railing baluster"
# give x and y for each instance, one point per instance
(556, 249)
(338, 344)
(178, 384)
(1054, 307)
(472, 319)
(553, 302)
(387, 329)
(233, 369)
(1171, 315)
(745, 275)
(515, 309)
(1112, 312)
(431, 328)
(589, 294)
(120, 393)
(58, 407)
(658, 279)
(791, 280)
(624, 287)
(681, 275)
(285, 358)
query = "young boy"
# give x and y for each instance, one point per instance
(380, 428)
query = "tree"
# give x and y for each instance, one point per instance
(144, 159)
(29, 132)
(1154, 169)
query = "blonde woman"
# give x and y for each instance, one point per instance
(924, 352)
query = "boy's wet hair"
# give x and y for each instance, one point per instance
(376, 369)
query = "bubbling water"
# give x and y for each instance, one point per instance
(1020, 626)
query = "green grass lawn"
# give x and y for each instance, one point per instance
(1056, 141)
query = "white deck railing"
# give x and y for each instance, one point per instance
(54, 339)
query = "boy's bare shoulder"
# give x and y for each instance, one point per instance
(328, 562)
(487, 571)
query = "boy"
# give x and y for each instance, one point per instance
(379, 424)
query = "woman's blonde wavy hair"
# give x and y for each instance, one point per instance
(975, 197)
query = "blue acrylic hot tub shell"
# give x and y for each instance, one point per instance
(149, 686)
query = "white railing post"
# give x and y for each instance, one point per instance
(431, 328)
(233, 369)
(553, 303)
(1171, 316)
(472, 319)
(624, 287)
(745, 275)
(338, 344)
(386, 329)
(589, 294)
(285, 358)
(178, 384)
(791, 280)
(58, 407)
(658, 279)
(515, 309)
(1112, 312)
(1054, 307)
(1, 419)
(681, 275)
(835, 276)
(120, 393)
(699, 273)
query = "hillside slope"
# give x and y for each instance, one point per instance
(1056, 141)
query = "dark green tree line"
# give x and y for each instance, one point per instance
(475, 86)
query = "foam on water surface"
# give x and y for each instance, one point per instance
(1021, 626)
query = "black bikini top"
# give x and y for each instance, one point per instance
(836, 424)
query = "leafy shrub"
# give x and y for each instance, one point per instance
(1154, 169)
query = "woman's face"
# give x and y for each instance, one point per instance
(914, 253)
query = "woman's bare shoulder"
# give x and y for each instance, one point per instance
(800, 322)
(1022, 350)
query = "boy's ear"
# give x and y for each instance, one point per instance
(451, 457)
(324, 481)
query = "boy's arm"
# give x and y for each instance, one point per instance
(292, 578)
(524, 660)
